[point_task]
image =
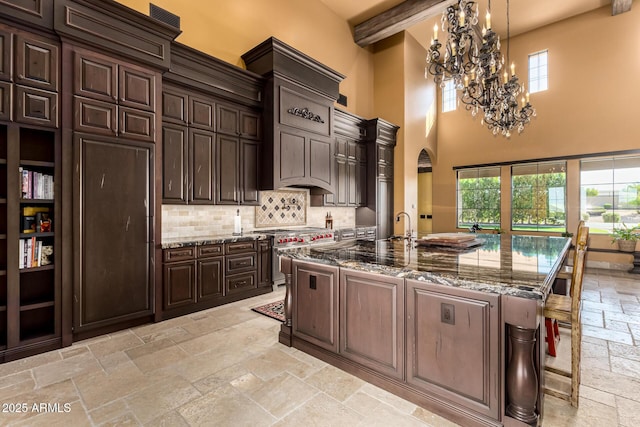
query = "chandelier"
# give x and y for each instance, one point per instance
(476, 70)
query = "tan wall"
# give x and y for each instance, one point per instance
(588, 108)
(425, 204)
(226, 29)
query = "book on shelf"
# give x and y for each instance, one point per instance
(34, 253)
(36, 219)
(35, 185)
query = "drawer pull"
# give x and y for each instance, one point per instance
(186, 252)
(241, 283)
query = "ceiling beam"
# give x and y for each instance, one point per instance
(396, 19)
(620, 6)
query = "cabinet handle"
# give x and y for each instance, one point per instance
(20, 76)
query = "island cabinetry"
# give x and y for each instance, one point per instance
(315, 304)
(372, 321)
(453, 345)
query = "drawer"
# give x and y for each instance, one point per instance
(35, 106)
(95, 116)
(240, 263)
(209, 250)
(179, 254)
(240, 247)
(137, 124)
(241, 282)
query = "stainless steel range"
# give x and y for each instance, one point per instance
(295, 237)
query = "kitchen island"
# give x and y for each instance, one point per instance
(456, 331)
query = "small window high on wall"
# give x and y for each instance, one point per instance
(610, 192)
(449, 96)
(538, 201)
(478, 197)
(538, 72)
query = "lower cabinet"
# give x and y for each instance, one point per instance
(372, 321)
(204, 276)
(315, 303)
(453, 344)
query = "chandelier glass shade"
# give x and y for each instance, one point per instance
(476, 70)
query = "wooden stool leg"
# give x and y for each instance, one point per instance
(550, 336)
(556, 332)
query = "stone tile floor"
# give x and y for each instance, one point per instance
(224, 367)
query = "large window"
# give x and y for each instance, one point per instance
(610, 192)
(479, 197)
(538, 197)
(449, 96)
(538, 72)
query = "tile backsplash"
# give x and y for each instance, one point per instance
(198, 220)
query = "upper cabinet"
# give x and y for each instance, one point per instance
(298, 148)
(211, 131)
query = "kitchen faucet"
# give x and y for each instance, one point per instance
(409, 218)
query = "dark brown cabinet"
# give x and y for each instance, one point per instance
(223, 165)
(315, 303)
(451, 350)
(203, 276)
(36, 62)
(114, 230)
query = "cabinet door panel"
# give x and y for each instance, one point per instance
(175, 107)
(6, 54)
(95, 116)
(137, 124)
(240, 263)
(179, 284)
(342, 182)
(36, 106)
(291, 157)
(210, 278)
(320, 161)
(453, 338)
(264, 263)
(315, 295)
(201, 112)
(137, 88)
(250, 125)
(352, 183)
(174, 164)
(113, 233)
(227, 162)
(227, 120)
(5, 100)
(95, 77)
(37, 63)
(201, 161)
(250, 164)
(372, 321)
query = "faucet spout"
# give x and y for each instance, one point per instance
(408, 235)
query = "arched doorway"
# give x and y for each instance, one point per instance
(425, 194)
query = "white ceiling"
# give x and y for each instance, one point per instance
(525, 15)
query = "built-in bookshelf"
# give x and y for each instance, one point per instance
(36, 226)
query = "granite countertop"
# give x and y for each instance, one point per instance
(181, 242)
(522, 266)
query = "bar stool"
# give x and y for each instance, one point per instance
(551, 325)
(567, 309)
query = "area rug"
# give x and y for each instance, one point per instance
(275, 310)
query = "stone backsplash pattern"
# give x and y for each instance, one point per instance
(196, 221)
(282, 209)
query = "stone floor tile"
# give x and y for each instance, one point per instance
(593, 318)
(170, 419)
(612, 382)
(628, 412)
(27, 363)
(321, 411)
(220, 378)
(597, 396)
(615, 325)
(375, 413)
(58, 416)
(431, 419)
(591, 414)
(630, 368)
(595, 306)
(605, 334)
(65, 369)
(225, 406)
(335, 382)
(108, 412)
(273, 362)
(388, 398)
(622, 317)
(60, 393)
(626, 351)
(282, 394)
(116, 342)
(98, 388)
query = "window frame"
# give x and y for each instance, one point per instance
(449, 96)
(480, 172)
(534, 72)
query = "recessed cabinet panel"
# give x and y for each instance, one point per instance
(241, 282)
(228, 177)
(315, 295)
(250, 125)
(137, 88)
(37, 63)
(240, 263)
(202, 112)
(201, 161)
(250, 164)
(210, 278)
(5, 54)
(5, 100)
(36, 106)
(291, 156)
(174, 107)
(228, 119)
(179, 284)
(372, 321)
(174, 164)
(451, 349)
(95, 77)
(95, 116)
(137, 124)
(320, 161)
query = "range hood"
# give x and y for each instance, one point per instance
(298, 146)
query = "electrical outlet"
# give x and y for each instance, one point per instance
(448, 313)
